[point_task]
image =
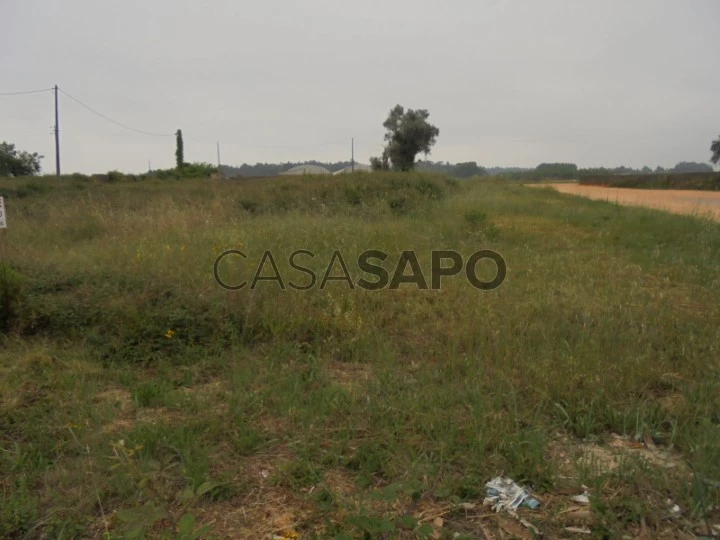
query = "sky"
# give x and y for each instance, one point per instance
(507, 82)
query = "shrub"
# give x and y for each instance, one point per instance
(251, 207)
(398, 205)
(475, 217)
(115, 176)
(189, 170)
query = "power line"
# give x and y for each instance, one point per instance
(25, 92)
(115, 121)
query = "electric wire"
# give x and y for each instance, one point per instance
(115, 121)
(25, 92)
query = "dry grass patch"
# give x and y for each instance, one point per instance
(351, 376)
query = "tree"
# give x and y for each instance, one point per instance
(179, 150)
(692, 167)
(381, 163)
(408, 134)
(566, 171)
(715, 149)
(376, 164)
(14, 163)
(466, 170)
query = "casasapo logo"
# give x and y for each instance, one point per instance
(445, 264)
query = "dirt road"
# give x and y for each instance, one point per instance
(680, 201)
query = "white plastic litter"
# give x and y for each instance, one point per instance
(584, 498)
(504, 494)
(674, 509)
(578, 530)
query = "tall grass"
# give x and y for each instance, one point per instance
(607, 323)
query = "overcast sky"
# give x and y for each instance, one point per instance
(517, 82)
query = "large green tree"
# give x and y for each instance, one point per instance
(16, 163)
(715, 149)
(408, 134)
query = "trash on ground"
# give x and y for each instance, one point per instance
(504, 494)
(674, 509)
(577, 516)
(288, 535)
(584, 498)
(581, 499)
(703, 533)
(623, 441)
(578, 530)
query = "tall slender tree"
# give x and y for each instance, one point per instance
(179, 150)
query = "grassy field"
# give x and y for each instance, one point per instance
(140, 399)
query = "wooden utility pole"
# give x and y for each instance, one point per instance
(57, 134)
(218, 149)
(352, 154)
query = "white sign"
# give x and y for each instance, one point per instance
(3, 223)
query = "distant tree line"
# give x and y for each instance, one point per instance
(566, 171)
(682, 167)
(274, 169)
(570, 171)
(408, 134)
(563, 171)
(458, 170)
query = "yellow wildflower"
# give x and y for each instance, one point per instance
(170, 334)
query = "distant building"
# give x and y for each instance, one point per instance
(359, 167)
(306, 169)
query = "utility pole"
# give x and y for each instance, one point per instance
(57, 134)
(218, 149)
(352, 154)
